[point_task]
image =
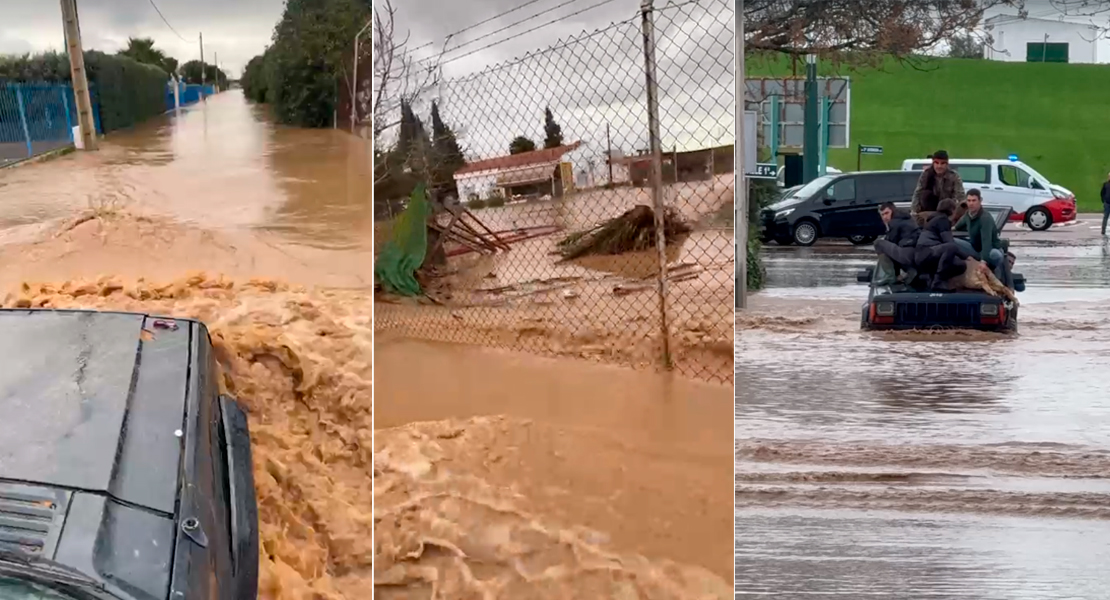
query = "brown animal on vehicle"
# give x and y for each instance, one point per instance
(978, 278)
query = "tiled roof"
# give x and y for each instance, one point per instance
(524, 159)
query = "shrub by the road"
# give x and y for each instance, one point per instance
(124, 91)
(299, 74)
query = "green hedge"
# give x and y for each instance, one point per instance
(126, 92)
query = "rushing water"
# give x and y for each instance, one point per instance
(925, 465)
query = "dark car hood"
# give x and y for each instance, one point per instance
(79, 412)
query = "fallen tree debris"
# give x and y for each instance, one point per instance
(632, 231)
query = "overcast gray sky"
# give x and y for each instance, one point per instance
(492, 93)
(236, 29)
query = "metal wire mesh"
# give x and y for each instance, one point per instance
(34, 118)
(606, 304)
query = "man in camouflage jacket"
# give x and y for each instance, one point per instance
(937, 182)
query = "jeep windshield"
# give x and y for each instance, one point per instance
(12, 588)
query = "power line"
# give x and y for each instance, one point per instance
(526, 32)
(432, 59)
(159, 11)
(478, 24)
(511, 25)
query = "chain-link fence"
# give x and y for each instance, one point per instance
(570, 153)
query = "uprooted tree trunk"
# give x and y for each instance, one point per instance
(632, 231)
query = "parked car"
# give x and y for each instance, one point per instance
(1034, 199)
(781, 174)
(836, 205)
(126, 475)
(913, 306)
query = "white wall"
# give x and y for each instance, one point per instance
(482, 183)
(1010, 39)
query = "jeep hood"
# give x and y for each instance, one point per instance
(92, 402)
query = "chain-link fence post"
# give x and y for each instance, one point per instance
(652, 87)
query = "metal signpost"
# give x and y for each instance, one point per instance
(861, 150)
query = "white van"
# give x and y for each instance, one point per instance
(1009, 182)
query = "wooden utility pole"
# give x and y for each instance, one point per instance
(216, 63)
(740, 190)
(77, 73)
(201, 37)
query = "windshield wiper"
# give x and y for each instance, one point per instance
(48, 572)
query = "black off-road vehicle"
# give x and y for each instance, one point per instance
(124, 474)
(911, 306)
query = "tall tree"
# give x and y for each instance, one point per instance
(311, 53)
(448, 155)
(553, 134)
(860, 29)
(965, 45)
(413, 144)
(190, 73)
(521, 144)
(143, 50)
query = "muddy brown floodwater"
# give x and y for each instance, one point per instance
(925, 465)
(263, 232)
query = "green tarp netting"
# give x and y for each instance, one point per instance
(404, 252)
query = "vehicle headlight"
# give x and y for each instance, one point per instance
(783, 213)
(884, 309)
(989, 310)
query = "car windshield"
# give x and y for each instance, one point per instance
(12, 588)
(813, 187)
(1035, 174)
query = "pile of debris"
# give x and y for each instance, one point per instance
(632, 231)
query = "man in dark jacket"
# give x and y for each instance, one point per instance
(1105, 204)
(897, 246)
(937, 252)
(938, 182)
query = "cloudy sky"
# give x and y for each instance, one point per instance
(236, 29)
(588, 67)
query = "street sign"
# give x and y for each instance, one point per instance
(764, 171)
(870, 149)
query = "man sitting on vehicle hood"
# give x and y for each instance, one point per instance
(937, 252)
(896, 248)
(983, 242)
(936, 184)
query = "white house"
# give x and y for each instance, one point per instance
(538, 171)
(1018, 39)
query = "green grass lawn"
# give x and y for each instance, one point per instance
(1055, 117)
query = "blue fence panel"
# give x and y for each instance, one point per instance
(37, 118)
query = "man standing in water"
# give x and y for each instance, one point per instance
(937, 183)
(1105, 203)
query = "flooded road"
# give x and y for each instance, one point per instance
(504, 475)
(220, 165)
(925, 465)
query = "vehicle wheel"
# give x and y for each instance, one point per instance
(805, 233)
(863, 325)
(1038, 219)
(860, 240)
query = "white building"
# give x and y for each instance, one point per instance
(538, 171)
(1017, 39)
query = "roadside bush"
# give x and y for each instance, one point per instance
(254, 82)
(762, 193)
(124, 91)
(495, 199)
(128, 92)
